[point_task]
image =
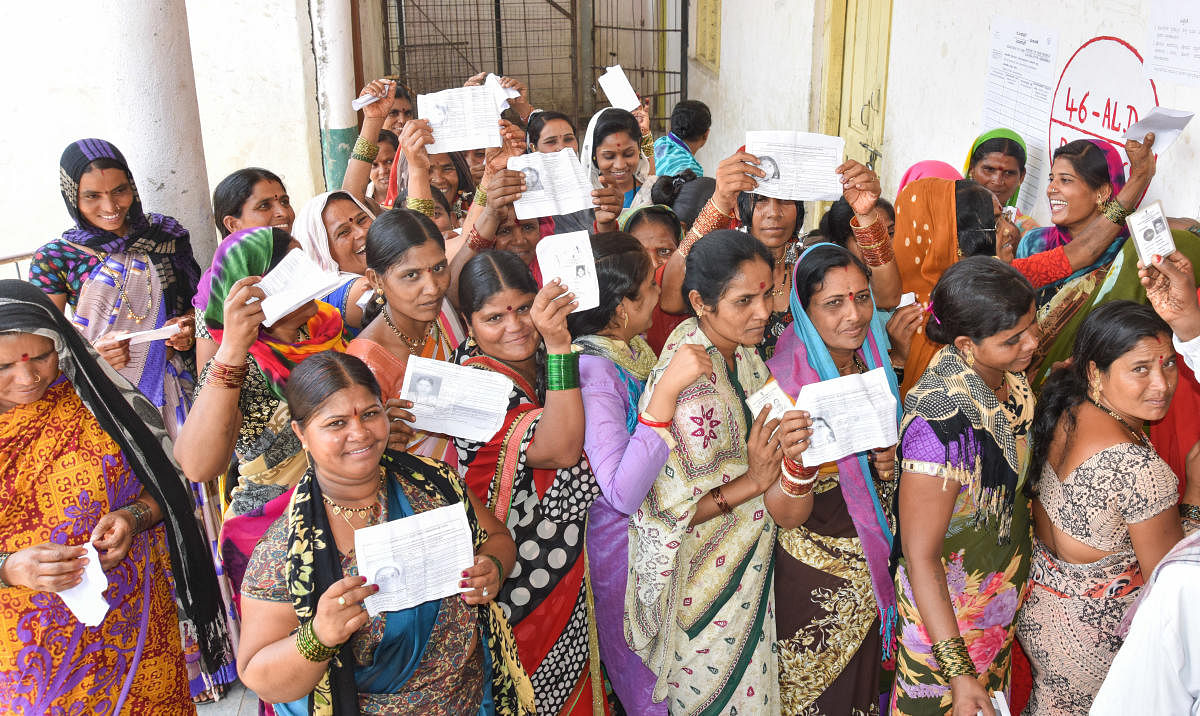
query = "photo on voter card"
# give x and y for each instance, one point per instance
(426, 389)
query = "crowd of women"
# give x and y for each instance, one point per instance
(644, 543)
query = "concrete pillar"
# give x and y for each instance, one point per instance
(333, 47)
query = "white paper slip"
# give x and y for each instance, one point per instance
(1000, 704)
(555, 184)
(501, 94)
(154, 334)
(568, 257)
(461, 118)
(850, 414)
(801, 166)
(86, 599)
(416, 558)
(1151, 233)
(907, 299)
(359, 102)
(770, 394)
(293, 282)
(1167, 125)
(455, 400)
(618, 90)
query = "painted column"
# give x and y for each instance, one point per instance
(333, 48)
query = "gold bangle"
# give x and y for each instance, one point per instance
(311, 647)
(1114, 212)
(953, 659)
(480, 195)
(364, 150)
(425, 206)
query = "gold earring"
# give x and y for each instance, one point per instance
(700, 312)
(379, 299)
(626, 324)
(969, 358)
(1094, 388)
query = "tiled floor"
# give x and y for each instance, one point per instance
(238, 702)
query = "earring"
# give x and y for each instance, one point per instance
(379, 299)
(700, 312)
(470, 341)
(625, 325)
(969, 358)
(1094, 388)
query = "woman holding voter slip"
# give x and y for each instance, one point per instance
(309, 643)
(776, 223)
(700, 610)
(626, 453)
(534, 476)
(836, 605)
(964, 526)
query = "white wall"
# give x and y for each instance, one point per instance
(764, 77)
(935, 84)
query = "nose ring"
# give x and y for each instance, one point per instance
(37, 378)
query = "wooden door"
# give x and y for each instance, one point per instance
(857, 40)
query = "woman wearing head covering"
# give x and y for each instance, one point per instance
(997, 162)
(926, 169)
(835, 601)
(332, 231)
(309, 646)
(612, 155)
(84, 461)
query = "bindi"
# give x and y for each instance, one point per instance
(508, 308)
(25, 358)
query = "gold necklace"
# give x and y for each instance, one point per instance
(123, 296)
(856, 362)
(370, 512)
(1137, 434)
(414, 345)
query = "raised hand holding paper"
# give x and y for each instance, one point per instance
(555, 184)
(461, 118)
(618, 90)
(770, 394)
(1151, 233)
(907, 299)
(568, 257)
(1167, 125)
(801, 166)
(293, 282)
(455, 400)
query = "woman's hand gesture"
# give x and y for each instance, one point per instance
(414, 137)
(114, 349)
(113, 536)
(385, 90)
(340, 610)
(47, 567)
(860, 187)
(1171, 289)
(185, 339)
(243, 319)
(735, 174)
(795, 431)
(483, 579)
(550, 309)
(763, 449)
(901, 328)
(688, 364)
(608, 202)
(400, 419)
(1142, 162)
(970, 698)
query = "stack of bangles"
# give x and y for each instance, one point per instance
(1190, 512)
(310, 647)
(480, 195)
(796, 480)
(425, 206)
(141, 515)
(647, 145)
(364, 150)
(477, 242)
(953, 659)
(711, 218)
(1114, 212)
(226, 376)
(562, 371)
(873, 242)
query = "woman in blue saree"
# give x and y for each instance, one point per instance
(308, 644)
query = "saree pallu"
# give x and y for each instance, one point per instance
(699, 605)
(1070, 625)
(829, 637)
(1060, 318)
(59, 474)
(546, 597)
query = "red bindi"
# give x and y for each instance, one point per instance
(508, 308)
(25, 357)
(762, 285)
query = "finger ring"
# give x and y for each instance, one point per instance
(485, 592)
(341, 601)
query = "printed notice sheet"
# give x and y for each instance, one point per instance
(461, 118)
(1151, 233)
(568, 257)
(850, 414)
(293, 282)
(154, 334)
(1018, 93)
(1173, 42)
(86, 599)
(414, 559)
(555, 183)
(455, 400)
(798, 165)
(1167, 125)
(618, 90)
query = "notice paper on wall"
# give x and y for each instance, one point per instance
(555, 184)
(1167, 125)
(86, 599)
(568, 258)
(1018, 94)
(618, 90)
(1173, 42)
(798, 165)
(850, 414)
(1150, 231)
(416, 558)
(461, 118)
(455, 400)
(293, 282)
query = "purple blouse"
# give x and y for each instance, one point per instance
(626, 467)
